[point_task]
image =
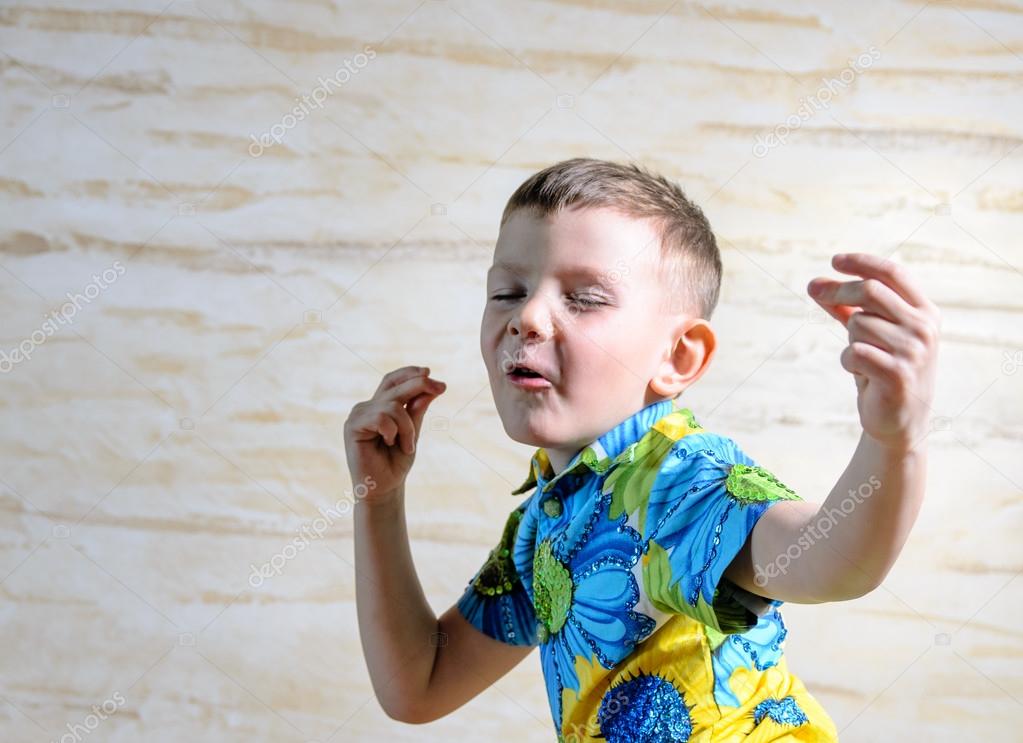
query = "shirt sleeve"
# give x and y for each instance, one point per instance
(703, 503)
(495, 601)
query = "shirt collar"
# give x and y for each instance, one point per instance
(603, 451)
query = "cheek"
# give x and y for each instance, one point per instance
(487, 322)
(491, 319)
(609, 356)
(490, 341)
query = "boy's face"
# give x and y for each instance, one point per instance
(577, 297)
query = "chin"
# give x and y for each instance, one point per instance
(518, 429)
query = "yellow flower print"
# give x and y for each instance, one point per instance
(662, 691)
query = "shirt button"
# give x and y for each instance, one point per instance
(552, 507)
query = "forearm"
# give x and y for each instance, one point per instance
(396, 623)
(866, 519)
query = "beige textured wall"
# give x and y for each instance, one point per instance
(184, 424)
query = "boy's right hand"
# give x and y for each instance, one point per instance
(381, 432)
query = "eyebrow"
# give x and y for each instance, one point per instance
(590, 272)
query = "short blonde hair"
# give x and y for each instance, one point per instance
(689, 259)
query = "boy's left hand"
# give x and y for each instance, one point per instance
(893, 344)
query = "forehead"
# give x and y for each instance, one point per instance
(578, 242)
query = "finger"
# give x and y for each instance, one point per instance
(405, 391)
(406, 433)
(378, 424)
(837, 311)
(868, 360)
(396, 377)
(877, 331)
(417, 407)
(887, 271)
(870, 294)
(411, 399)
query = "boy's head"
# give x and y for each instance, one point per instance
(603, 281)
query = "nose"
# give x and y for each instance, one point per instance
(533, 319)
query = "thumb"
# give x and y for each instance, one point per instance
(417, 407)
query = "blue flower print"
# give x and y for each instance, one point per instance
(705, 501)
(584, 590)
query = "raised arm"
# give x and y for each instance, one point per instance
(841, 549)
(421, 667)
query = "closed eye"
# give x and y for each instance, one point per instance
(582, 300)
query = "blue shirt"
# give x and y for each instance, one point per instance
(614, 568)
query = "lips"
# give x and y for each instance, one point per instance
(532, 370)
(531, 375)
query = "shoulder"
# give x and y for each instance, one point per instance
(705, 459)
(687, 476)
(704, 449)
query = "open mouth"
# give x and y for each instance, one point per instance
(523, 376)
(522, 371)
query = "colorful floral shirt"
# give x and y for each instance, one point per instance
(614, 567)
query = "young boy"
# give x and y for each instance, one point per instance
(651, 556)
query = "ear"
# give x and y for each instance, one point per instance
(688, 359)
